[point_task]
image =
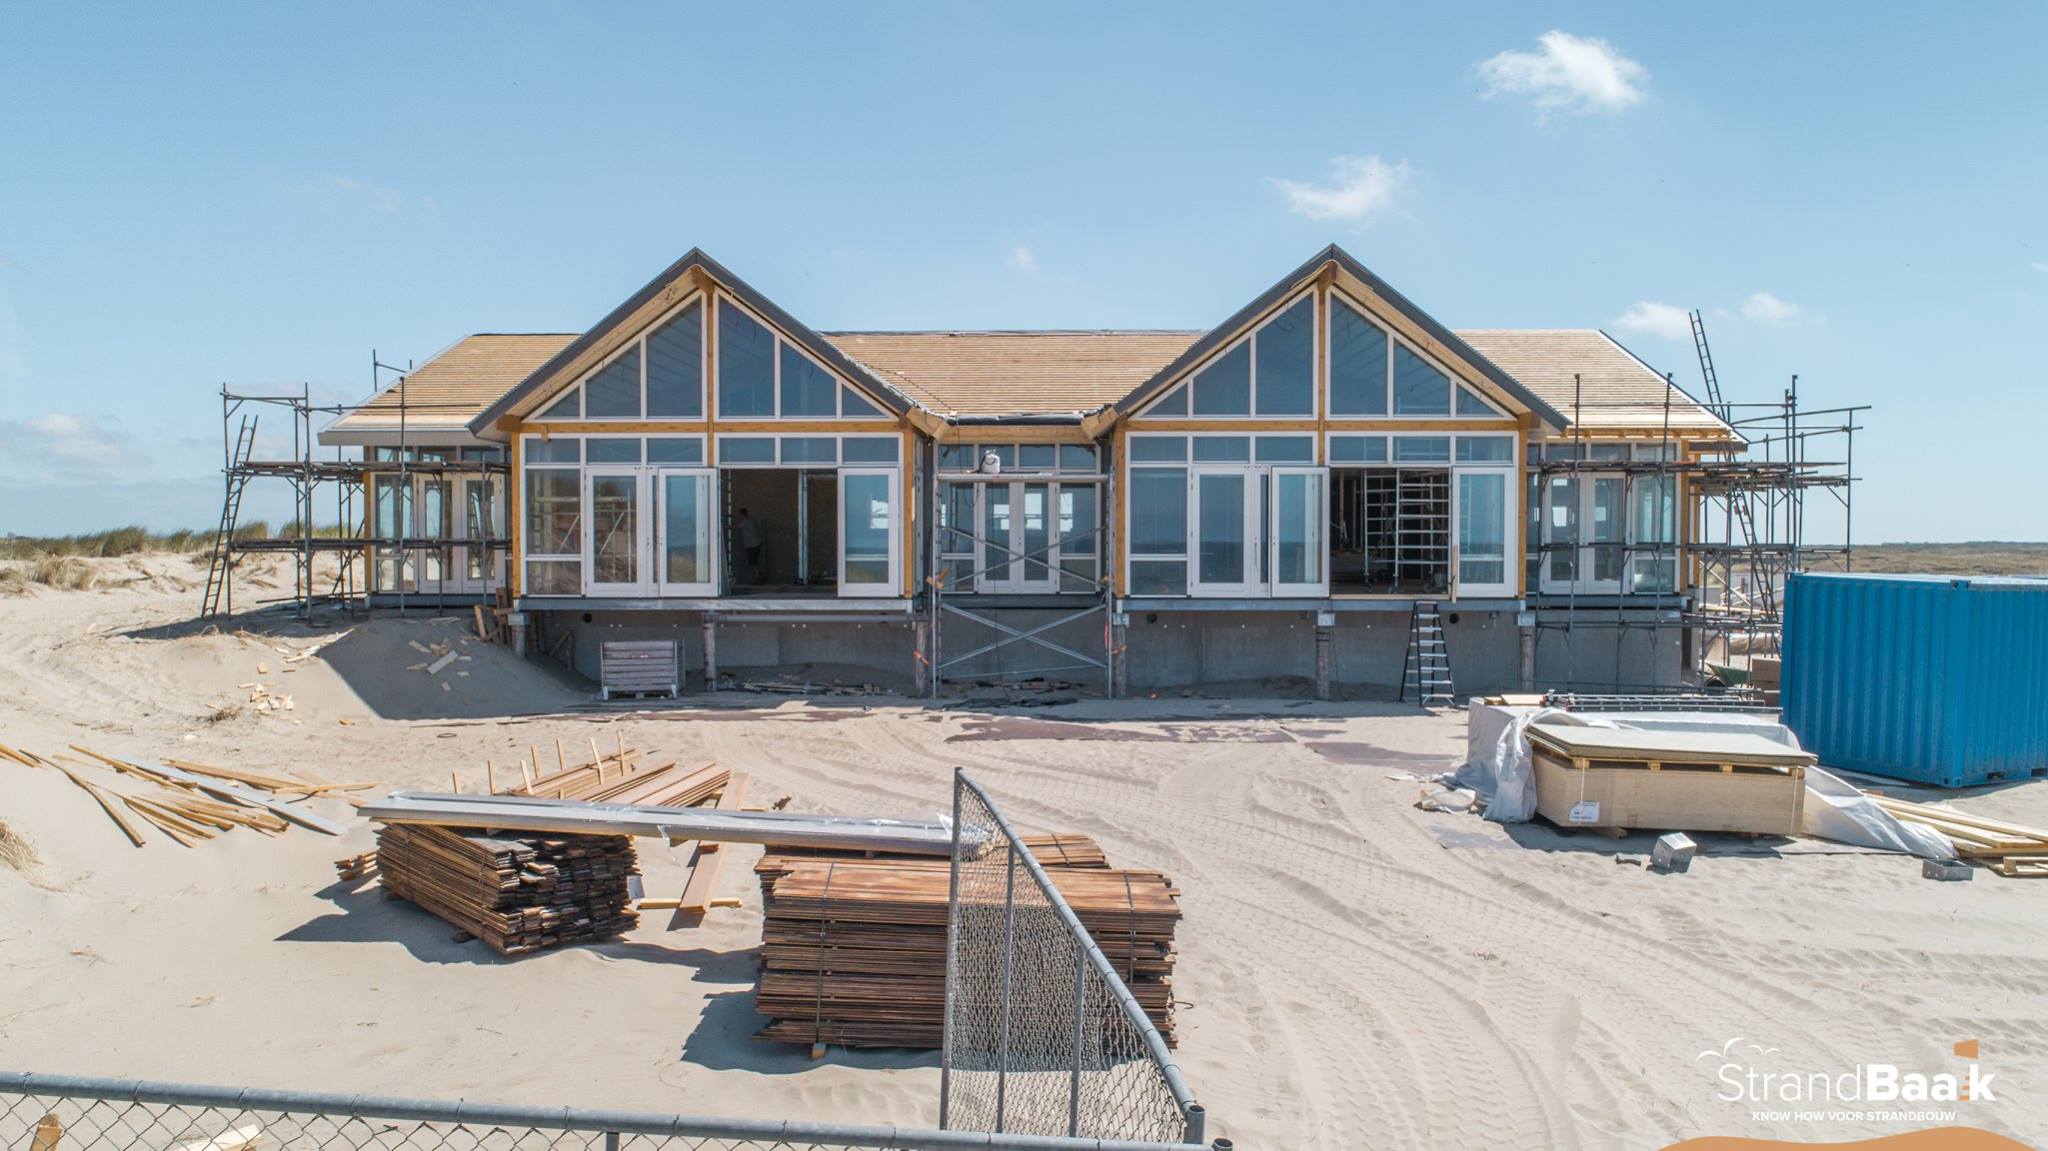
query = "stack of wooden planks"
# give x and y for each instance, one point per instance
(189, 802)
(854, 947)
(520, 892)
(2011, 849)
(516, 893)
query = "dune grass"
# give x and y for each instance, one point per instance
(135, 540)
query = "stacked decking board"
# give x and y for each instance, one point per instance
(854, 947)
(523, 891)
(516, 893)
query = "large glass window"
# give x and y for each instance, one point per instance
(554, 531)
(807, 389)
(1224, 388)
(1358, 363)
(1419, 388)
(1482, 530)
(1159, 531)
(675, 366)
(613, 391)
(1080, 547)
(746, 365)
(1286, 361)
(867, 532)
(1653, 563)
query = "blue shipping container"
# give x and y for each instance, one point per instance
(1935, 679)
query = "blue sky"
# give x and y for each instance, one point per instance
(262, 194)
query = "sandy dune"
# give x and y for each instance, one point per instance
(1354, 972)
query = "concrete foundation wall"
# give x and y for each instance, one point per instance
(1184, 649)
(877, 653)
(1602, 657)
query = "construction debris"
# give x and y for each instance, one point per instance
(189, 802)
(854, 948)
(2012, 850)
(1673, 852)
(571, 817)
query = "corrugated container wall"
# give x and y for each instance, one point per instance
(1929, 678)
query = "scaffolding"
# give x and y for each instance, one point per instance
(1719, 591)
(949, 582)
(340, 483)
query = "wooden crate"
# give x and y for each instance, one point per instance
(1668, 781)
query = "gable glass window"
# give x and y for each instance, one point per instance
(1268, 373)
(658, 375)
(1375, 373)
(763, 376)
(1358, 363)
(675, 366)
(1420, 389)
(746, 365)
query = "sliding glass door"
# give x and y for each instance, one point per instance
(1300, 514)
(1479, 508)
(1225, 528)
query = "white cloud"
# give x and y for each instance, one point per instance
(1361, 187)
(70, 446)
(1022, 259)
(1766, 308)
(1568, 74)
(1655, 319)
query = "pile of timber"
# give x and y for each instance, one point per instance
(523, 891)
(516, 893)
(2011, 849)
(188, 802)
(854, 946)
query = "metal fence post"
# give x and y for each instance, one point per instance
(611, 1141)
(1009, 959)
(1080, 1008)
(952, 957)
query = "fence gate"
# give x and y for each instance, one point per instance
(1042, 1036)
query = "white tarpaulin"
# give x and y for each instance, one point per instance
(1499, 768)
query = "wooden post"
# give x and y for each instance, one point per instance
(710, 653)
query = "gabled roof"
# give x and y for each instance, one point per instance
(1294, 281)
(446, 392)
(986, 374)
(695, 259)
(1615, 390)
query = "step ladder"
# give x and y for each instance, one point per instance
(1427, 671)
(218, 571)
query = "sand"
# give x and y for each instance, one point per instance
(1354, 972)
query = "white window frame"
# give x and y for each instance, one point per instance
(1509, 510)
(1251, 530)
(716, 401)
(643, 584)
(708, 525)
(640, 341)
(1585, 548)
(1249, 338)
(1319, 528)
(892, 586)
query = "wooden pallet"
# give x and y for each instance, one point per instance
(1668, 781)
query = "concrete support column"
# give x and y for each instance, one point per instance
(515, 624)
(920, 661)
(1526, 623)
(1326, 652)
(1119, 655)
(710, 653)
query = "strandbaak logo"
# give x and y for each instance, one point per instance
(1751, 1073)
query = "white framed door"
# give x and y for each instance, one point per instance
(1479, 536)
(476, 521)
(1017, 547)
(1300, 559)
(616, 532)
(685, 510)
(1585, 517)
(1223, 531)
(870, 532)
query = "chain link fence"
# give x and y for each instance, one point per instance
(67, 1113)
(1042, 1036)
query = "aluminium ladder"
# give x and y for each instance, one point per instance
(1427, 670)
(220, 570)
